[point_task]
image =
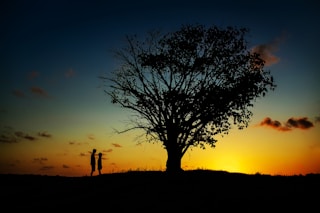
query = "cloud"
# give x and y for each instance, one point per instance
(39, 92)
(267, 51)
(65, 166)
(116, 145)
(40, 160)
(69, 73)
(274, 124)
(113, 164)
(32, 75)
(9, 135)
(18, 93)
(74, 143)
(34, 90)
(317, 119)
(6, 138)
(91, 136)
(45, 168)
(292, 123)
(301, 123)
(44, 134)
(25, 136)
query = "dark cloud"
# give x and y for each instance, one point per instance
(317, 119)
(65, 166)
(91, 137)
(4, 138)
(290, 124)
(18, 93)
(33, 74)
(9, 135)
(301, 123)
(44, 134)
(39, 92)
(45, 168)
(25, 136)
(12, 165)
(69, 73)
(274, 124)
(40, 160)
(74, 143)
(116, 145)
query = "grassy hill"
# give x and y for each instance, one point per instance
(155, 191)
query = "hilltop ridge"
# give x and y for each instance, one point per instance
(153, 191)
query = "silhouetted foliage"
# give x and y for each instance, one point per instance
(187, 86)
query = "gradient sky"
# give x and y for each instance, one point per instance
(53, 110)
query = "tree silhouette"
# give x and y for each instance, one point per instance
(187, 86)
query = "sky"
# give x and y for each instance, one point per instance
(54, 112)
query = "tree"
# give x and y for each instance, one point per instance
(187, 86)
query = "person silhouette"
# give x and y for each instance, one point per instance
(93, 161)
(100, 163)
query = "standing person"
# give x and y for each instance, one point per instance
(100, 163)
(93, 161)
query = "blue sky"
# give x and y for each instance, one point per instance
(52, 53)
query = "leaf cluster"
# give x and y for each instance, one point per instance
(191, 84)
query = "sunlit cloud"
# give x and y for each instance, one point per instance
(39, 92)
(292, 123)
(116, 145)
(267, 51)
(18, 93)
(108, 150)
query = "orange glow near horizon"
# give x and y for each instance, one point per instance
(274, 154)
(54, 107)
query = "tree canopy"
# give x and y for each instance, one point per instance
(187, 86)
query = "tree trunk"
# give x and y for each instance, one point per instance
(173, 165)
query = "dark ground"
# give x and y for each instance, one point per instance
(192, 191)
